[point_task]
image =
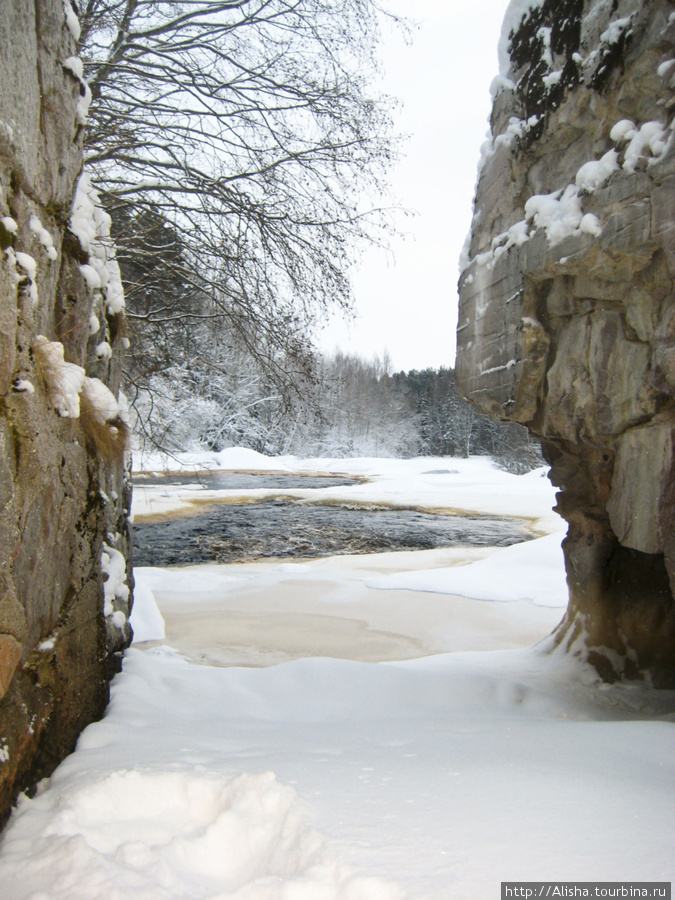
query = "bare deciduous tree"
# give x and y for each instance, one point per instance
(251, 128)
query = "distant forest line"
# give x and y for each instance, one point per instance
(344, 406)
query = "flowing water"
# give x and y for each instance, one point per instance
(234, 532)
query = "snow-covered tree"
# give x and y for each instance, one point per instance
(251, 128)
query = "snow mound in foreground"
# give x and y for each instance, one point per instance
(160, 835)
(412, 768)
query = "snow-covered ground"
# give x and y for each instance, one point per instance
(355, 728)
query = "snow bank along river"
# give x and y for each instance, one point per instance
(372, 727)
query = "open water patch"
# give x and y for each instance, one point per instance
(281, 528)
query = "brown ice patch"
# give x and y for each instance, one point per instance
(274, 616)
(265, 639)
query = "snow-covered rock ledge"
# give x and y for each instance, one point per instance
(567, 314)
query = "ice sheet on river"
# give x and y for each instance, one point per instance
(532, 571)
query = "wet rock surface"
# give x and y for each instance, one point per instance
(60, 495)
(282, 528)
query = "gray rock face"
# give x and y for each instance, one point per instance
(63, 489)
(567, 306)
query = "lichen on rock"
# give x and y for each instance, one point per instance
(567, 304)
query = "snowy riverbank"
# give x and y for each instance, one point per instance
(473, 485)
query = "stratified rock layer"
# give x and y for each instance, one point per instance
(59, 499)
(567, 307)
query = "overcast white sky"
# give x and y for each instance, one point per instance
(408, 305)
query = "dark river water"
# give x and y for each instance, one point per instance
(283, 528)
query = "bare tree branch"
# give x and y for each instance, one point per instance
(241, 149)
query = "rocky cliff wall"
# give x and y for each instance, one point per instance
(64, 498)
(567, 307)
